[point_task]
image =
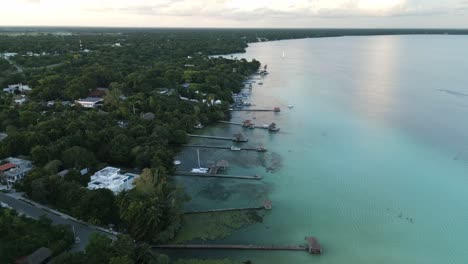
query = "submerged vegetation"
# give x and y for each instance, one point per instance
(213, 226)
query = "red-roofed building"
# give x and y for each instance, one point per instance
(6, 167)
(14, 170)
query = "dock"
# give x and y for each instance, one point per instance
(274, 109)
(207, 175)
(254, 110)
(259, 149)
(248, 124)
(266, 206)
(235, 139)
(312, 247)
(230, 123)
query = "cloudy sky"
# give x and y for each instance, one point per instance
(237, 13)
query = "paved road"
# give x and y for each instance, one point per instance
(83, 231)
(18, 68)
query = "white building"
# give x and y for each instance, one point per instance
(110, 178)
(90, 102)
(3, 136)
(8, 55)
(20, 99)
(17, 87)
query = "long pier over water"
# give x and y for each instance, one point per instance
(267, 205)
(312, 247)
(222, 147)
(242, 140)
(208, 175)
(238, 247)
(240, 124)
(254, 110)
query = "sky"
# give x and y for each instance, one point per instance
(237, 13)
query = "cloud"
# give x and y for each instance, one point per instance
(261, 9)
(29, 1)
(241, 13)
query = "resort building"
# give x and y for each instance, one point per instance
(8, 55)
(20, 99)
(14, 170)
(17, 87)
(110, 178)
(90, 102)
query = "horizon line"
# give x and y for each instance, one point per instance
(247, 28)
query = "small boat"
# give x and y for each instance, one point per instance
(261, 149)
(233, 148)
(290, 106)
(200, 169)
(272, 127)
(199, 126)
(177, 162)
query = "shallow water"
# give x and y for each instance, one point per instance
(372, 160)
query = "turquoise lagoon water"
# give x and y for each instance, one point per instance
(372, 160)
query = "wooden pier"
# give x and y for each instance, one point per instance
(253, 110)
(275, 109)
(230, 123)
(251, 126)
(312, 247)
(207, 175)
(259, 149)
(266, 206)
(235, 247)
(235, 139)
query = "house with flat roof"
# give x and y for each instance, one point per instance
(90, 102)
(14, 170)
(8, 55)
(111, 178)
(20, 99)
(17, 87)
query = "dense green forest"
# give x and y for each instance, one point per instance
(169, 75)
(21, 236)
(123, 250)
